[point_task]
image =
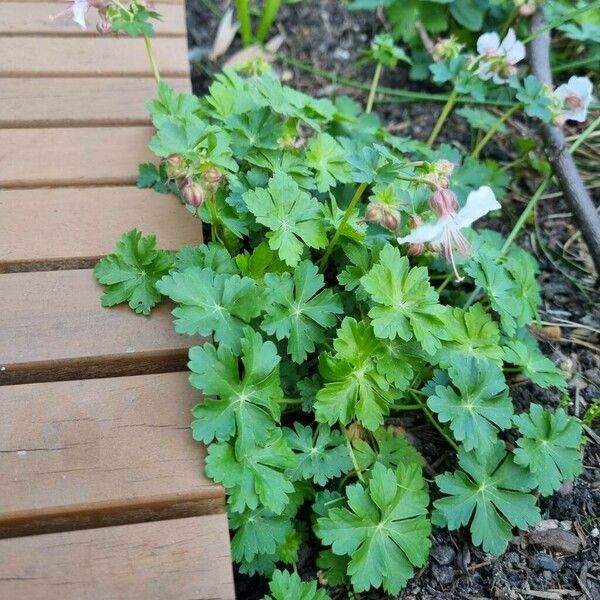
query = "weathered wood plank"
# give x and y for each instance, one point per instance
(72, 227)
(72, 156)
(39, 20)
(183, 559)
(100, 451)
(90, 56)
(29, 102)
(53, 328)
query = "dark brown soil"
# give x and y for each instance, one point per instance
(325, 34)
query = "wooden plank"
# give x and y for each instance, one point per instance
(53, 328)
(72, 156)
(183, 559)
(38, 21)
(87, 102)
(100, 451)
(90, 56)
(73, 227)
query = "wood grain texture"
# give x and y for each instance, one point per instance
(53, 328)
(180, 559)
(64, 228)
(80, 102)
(90, 56)
(98, 451)
(17, 20)
(77, 156)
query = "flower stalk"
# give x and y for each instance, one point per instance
(448, 107)
(493, 129)
(373, 90)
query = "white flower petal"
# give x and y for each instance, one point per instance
(498, 79)
(580, 86)
(509, 41)
(428, 232)
(575, 114)
(562, 91)
(479, 203)
(485, 71)
(516, 53)
(80, 8)
(488, 42)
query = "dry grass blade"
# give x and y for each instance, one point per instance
(225, 35)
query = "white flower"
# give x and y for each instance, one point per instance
(446, 230)
(576, 96)
(78, 9)
(499, 57)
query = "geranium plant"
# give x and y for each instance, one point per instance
(343, 288)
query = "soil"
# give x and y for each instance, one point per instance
(324, 34)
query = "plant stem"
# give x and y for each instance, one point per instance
(355, 199)
(561, 20)
(374, 84)
(352, 456)
(516, 229)
(290, 401)
(267, 18)
(444, 283)
(243, 12)
(407, 407)
(584, 135)
(509, 20)
(493, 129)
(150, 52)
(450, 104)
(436, 425)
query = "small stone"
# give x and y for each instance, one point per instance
(546, 525)
(595, 532)
(543, 562)
(443, 575)
(566, 488)
(556, 539)
(443, 555)
(566, 525)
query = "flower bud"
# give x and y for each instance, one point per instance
(212, 178)
(443, 202)
(415, 249)
(444, 167)
(356, 431)
(193, 194)
(374, 212)
(415, 221)
(527, 9)
(104, 25)
(175, 166)
(391, 219)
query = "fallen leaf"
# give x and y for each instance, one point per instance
(556, 539)
(225, 35)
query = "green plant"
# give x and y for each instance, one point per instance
(323, 327)
(343, 287)
(268, 15)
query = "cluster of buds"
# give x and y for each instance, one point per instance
(192, 191)
(416, 249)
(446, 49)
(439, 177)
(385, 215)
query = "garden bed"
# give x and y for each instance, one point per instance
(325, 35)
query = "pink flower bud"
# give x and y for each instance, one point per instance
(415, 221)
(415, 249)
(443, 202)
(104, 25)
(212, 178)
(444, 167)
(374, 212)
(193, 194)
(175, 166)
(527, 9)
(391, 219)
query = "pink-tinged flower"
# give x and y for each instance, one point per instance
(78, 10)
(576, 96)
(499, 57)
(446, 231)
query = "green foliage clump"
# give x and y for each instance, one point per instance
(326, 330)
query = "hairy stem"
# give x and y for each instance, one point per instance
(435, 423)
(267, 18)
(450, 104)
(355, 199)
(352, 455)
(243, 13)
(373, 90)
(150, 52)
(493, 129)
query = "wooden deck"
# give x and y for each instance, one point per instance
(102, 492)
